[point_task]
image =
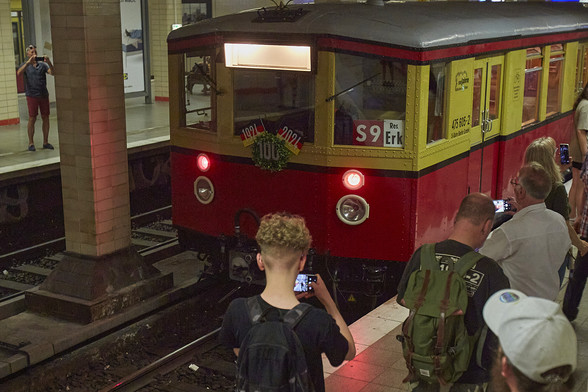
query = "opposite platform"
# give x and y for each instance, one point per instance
(147, 128)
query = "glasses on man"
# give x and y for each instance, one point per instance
(32, 47)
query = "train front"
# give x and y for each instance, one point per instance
(267, 116)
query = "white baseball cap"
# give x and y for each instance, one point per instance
(534, 333)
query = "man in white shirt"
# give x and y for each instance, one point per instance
(531, 246)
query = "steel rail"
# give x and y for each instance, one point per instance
(146, 375)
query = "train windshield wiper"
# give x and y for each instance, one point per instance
(350, 88)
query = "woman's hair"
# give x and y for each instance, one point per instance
(583, 95)
(542, 151)
(524, 383)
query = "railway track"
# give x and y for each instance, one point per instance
(171, 362)
(172, 349)
(152, 235)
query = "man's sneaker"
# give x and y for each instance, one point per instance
(48, 146)
(32, 148)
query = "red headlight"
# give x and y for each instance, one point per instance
(203, 162)
(353, 179)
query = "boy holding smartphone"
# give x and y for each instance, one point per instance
(284, 241)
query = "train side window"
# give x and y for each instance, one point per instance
(276, 99)
(370, 101)
(436, 106)
(199, 91)
(495, 93)
(582, 67)
(555, 79)
(533, 71)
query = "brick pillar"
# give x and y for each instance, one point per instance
(8, 94)
(92, 130)
(89, 90)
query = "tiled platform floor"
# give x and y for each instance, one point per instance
(379, 365)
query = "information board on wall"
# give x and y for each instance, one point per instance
(131, 23)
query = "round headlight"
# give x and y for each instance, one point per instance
(352, 209)
(203, 190)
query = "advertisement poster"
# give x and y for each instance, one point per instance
(132, 45)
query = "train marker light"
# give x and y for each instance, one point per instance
(203, 190)
(203, 162)
(353, 179)
(352, 209)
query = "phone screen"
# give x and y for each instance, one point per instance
(498, 205)
(303, 282)
(501, 206)
(564, 153)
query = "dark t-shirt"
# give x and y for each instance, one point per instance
(317, 332)
(36, 80)
(482, 280)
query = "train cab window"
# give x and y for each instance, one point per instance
(370, 101)
(555, 79)
(436, 105)
(199, 85)
(274, 99)
(533, 70)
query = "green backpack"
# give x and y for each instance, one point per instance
(435, 342)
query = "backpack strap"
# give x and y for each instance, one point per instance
(466, 262)
(428, 258)
(254, 309)
(292, 317)
(297, 313)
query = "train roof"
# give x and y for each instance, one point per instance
(415, 25)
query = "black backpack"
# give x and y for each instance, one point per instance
(271, 357)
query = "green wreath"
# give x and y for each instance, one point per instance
(276, 162)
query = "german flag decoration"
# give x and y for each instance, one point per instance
(292, 139)
(251, 131)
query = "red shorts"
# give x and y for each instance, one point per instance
(36, 103)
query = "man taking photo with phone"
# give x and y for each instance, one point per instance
(35, 70)
(284, 241)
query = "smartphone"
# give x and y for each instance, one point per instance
(502, 206)
(564, 153)
(303, 282)
(39, 58)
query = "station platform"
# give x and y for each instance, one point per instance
(379, 365)
(147, 128)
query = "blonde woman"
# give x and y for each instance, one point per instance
(578, 147)
(543, 151)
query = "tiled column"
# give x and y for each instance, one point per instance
(8, 93)
(92, 130)
(99, 261)
(162, 14)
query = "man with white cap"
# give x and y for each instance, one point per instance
(538, 345)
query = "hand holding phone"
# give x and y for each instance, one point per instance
(303, 282)
(564, 153)
(40, 58)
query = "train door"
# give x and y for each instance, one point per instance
(486, 105)
(582, 67)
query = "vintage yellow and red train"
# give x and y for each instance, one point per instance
(370, 120)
